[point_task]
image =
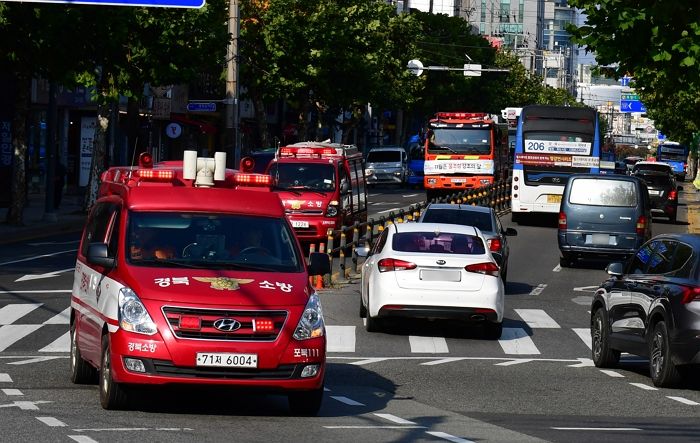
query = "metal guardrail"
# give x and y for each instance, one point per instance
(495, 195)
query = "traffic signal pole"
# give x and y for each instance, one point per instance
(233, 138)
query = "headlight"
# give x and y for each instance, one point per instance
(331, 211)
(369, 171)
(133, 315)
(311, 322)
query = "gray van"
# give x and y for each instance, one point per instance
(603, 217)
(388, 164)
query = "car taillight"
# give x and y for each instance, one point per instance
(690, 294)
(562, 220)
(673, 195)
(487, 268)
(641, 225)
(494, 244)
(394, 264)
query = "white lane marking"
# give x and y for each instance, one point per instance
(395, 419)
(25, 405)
(612, 373)
(37, 257)
(583, 363)
(586, 289)
(373, 427)
(55, 243)
(432, 345)
(538, 290)
(51, 421)
(62, 318)
(513, 362)
(389, 210)
(537, 318)
(367, 361)
(410, 195)
(442, 360)
(5, 378)
(645, 387)
(51, 274)
(340, 338)
(347, 401)
(13, 312)
(131, 429)
(683, 400)
(596, 429)
(35, 360)
(9, 334)
(449, 437)
(516, 341)
(557, 268)
(585, 335)
(11, 392)
(82, 439)
(40, 291)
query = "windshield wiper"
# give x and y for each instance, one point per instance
(447, 148)
(242, 267)
(306, 188)
(173, 263)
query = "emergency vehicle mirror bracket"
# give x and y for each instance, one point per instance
(319, 263)
(98, 254)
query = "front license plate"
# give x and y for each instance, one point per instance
(226, 360)
(300, 224)
(458, 180)
(440, 275)
(551, 198)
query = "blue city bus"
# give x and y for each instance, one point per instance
(551, 143)
(675, 155)
(416, 161)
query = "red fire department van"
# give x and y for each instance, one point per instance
(190, 273)
(322, 186)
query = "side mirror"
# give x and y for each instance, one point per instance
(362, 251)
(615, 269)
(98, 254)
(319, 263)
(344, 187)
(510, 232)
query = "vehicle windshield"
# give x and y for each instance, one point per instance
(652, 167)
(481, 220)
(444, 243)
(598, 192)
(461, 141)
(656, 179)
(384, 157)
(303, 176)
(664, 156)
(211, 241)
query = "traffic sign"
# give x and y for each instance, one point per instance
(147, 3)
(201, 107)
(632, 105)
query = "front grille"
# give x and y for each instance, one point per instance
(166, 368)
(207, 317)
(304, 211)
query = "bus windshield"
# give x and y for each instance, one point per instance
(460, 141)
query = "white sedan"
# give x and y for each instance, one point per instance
(432, 270)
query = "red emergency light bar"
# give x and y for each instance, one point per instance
(156, 174)
(479, 115)
(308, 152)
(252, 179)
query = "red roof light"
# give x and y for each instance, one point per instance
(156, 174)
(253, 179)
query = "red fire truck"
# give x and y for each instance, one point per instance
(321, 185)
(190, 273)
(464, 150)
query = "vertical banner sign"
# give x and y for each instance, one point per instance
(87, 140)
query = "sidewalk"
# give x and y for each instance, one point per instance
(69, 217)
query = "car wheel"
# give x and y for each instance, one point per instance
(81, 372)
(112, 394)
(663, 372)
(493, 330)
(566, 260)
(363, 309)
(306, 403)
(603, 355)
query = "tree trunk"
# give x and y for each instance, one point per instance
(304, 120)
(99, 151)
(18, 188)
(261, 118)
(132, 129)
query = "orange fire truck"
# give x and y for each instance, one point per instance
(464, 150)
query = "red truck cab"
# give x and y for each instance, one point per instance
(322, 186)
(190, 273)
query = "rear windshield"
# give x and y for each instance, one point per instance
(481, 220)
(651, 167)
(443, 243)
(384, 157)
(655, 179)
(597, 192)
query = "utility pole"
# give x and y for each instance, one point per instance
(232, 121)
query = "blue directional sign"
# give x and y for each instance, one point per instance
(625, 81)
(201, 107)
(146, 3)
(631, 103)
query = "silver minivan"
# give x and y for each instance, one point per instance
(603, 217)
(388, 164)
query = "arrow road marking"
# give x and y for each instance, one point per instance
(40, 276)
(38, 256)
(34, 360)
(586, 289)
(11, 313)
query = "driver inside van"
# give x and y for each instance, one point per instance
(148, 244)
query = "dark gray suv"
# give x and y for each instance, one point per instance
(603, 216)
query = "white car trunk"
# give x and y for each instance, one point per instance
(449, 276)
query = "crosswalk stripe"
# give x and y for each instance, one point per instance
(537, 318)
(12, 392)
(430, 345)
(62, 318)
(340, 338)
(9, 334)
(585, 335)
(13, 312)
(5, 378)
(61, 344)
(516, 341)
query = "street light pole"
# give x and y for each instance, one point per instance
(232, 118)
